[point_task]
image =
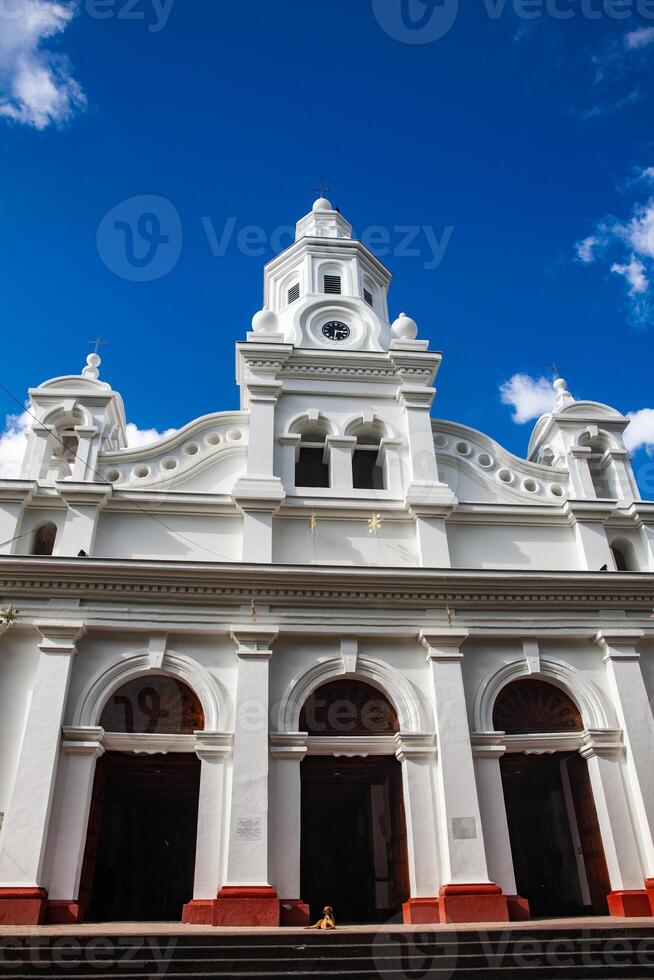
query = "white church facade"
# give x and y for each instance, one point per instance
(325, 649)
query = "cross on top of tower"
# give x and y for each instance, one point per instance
(323, 190)
(97, 343)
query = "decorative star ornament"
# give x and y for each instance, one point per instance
(374, 523)
(450, 617)
(313, 523)
(8, 617)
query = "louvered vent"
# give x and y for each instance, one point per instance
(332, 284)
(367, 295)
(294, 293)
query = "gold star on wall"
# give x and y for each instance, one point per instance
(374, 523)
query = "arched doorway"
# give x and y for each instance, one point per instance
(353, 854)
(140, 852)
(556, 840)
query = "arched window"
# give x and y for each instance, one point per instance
(531, 706)
(44, 539)
(623, 556)
(348, 707)
(311, 470)
(367, 471)
(154, 704)
(64, 444)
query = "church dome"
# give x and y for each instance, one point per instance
(322, 204)
(405, 328)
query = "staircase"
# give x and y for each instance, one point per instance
(385, 954)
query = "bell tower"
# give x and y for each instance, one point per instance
(339, 397)
(326, 288)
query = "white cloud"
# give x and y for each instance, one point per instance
(144, 437)
(586, 249)
(640, 38)
(627, 248)
(530, 397)
(634, 273)
(14, 440)
(36, 85)
(640, 434)
(12, 445)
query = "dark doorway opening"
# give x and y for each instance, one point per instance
(556, 842)
(354, 854)
(140, 853)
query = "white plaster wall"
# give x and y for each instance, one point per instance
(18, 662)
(344, 542)
(513, 546)
(128, 535)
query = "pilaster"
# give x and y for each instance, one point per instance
(84, 502)
(80, 750)
(287, 750)
(25, 830)
(247, 897)
(634, 712)
(466, 892)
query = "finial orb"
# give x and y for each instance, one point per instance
(561, 385)
(265, 321)
(404, 328)
(94, 360)
(322, 204)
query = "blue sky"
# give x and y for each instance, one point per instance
(518, 148)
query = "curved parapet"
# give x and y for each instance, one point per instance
(495, 473)
(210, 441)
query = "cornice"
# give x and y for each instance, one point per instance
(210, 583)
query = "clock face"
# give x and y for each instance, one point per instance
(336, 330)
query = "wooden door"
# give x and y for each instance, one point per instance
(399, 839)
(92, 838)
(590, 834)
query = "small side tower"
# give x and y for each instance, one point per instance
(79, 416)
(586, 438)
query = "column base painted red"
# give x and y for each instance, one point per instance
(243, 906)
(649, 885)
(472, 903)
(420, 911)
(60, 912)
(199, 912)
(629, 904)
(518, 908)
(22, 906)
(294, 912)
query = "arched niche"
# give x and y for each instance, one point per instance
(348, 706)
(531, 706)
(153, 704)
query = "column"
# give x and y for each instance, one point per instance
(213, 749)
(84, 502)
(80, 750)
(288, 749)
(466, 894)
(592, 543)
(488, 749)
(247, 897)
(604, 752)
(25, 829)
(259, 492)
(339, 451)
(82, 463)
(634, 713)
(417, 755)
